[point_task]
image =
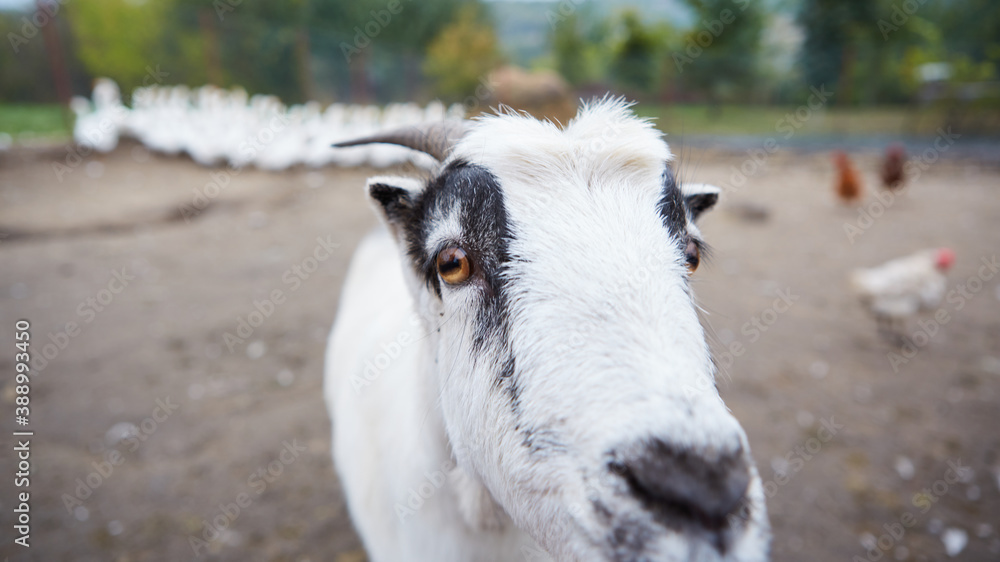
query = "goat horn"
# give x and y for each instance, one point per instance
(436, 139)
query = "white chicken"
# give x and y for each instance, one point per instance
(902, 288)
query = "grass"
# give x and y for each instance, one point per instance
(778, 121)
(32, 120)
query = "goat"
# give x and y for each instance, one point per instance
(517, 369)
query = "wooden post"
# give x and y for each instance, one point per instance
(53, 48)
(211, 41)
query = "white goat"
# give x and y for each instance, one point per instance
(517, 369)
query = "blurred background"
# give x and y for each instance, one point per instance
(165, 167)
(892, 67)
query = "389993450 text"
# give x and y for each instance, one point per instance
(22, 433)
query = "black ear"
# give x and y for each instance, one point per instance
(395, 197)
(699, 197)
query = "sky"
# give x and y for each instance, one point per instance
(15, 4)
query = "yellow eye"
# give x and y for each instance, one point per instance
(693, 256)
(453, 265)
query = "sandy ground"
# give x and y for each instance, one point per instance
(844, 441)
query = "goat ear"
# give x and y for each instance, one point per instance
(394, 197)
(699, 197)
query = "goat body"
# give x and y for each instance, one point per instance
(517, 370)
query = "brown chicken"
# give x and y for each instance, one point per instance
(892, 167)
(848, 184)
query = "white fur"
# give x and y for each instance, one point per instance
(608, 350)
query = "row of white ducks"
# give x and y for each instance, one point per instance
(217, 127)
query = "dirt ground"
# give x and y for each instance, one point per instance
(854, 451)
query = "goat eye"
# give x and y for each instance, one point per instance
(693, 256)
(453, 265)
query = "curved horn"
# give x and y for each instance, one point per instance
(436, 139)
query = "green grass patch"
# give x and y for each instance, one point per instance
(779, 121)
(35, 120)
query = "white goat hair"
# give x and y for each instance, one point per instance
(555, 399)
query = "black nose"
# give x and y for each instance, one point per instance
(685, 487)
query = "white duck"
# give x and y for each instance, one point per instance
(99, 129)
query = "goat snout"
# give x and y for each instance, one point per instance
(684, 488)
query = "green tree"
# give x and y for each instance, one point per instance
(568, 47)
(386, 64)
(838, 33)
(118, 38)
(969, 27)
(719, 55)
(462, 54)
(637, 56)
(24, 67)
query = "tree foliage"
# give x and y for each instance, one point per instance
(870, 51)
(638, 55)
(462, 55)
(569, 49)
(837, 32)
(867, 51)
(118, 38)
(723, 48)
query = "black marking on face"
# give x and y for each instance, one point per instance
(508, 382)
(485, 236)
(396, 201)
(698, 203)
(542, 441)
(685, 491)
(535, 440)
(676, 210)
(672, 208)
(627, 534)
(475, 194)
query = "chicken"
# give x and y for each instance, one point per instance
(902, 288)
(892, 167)
(848, 184)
